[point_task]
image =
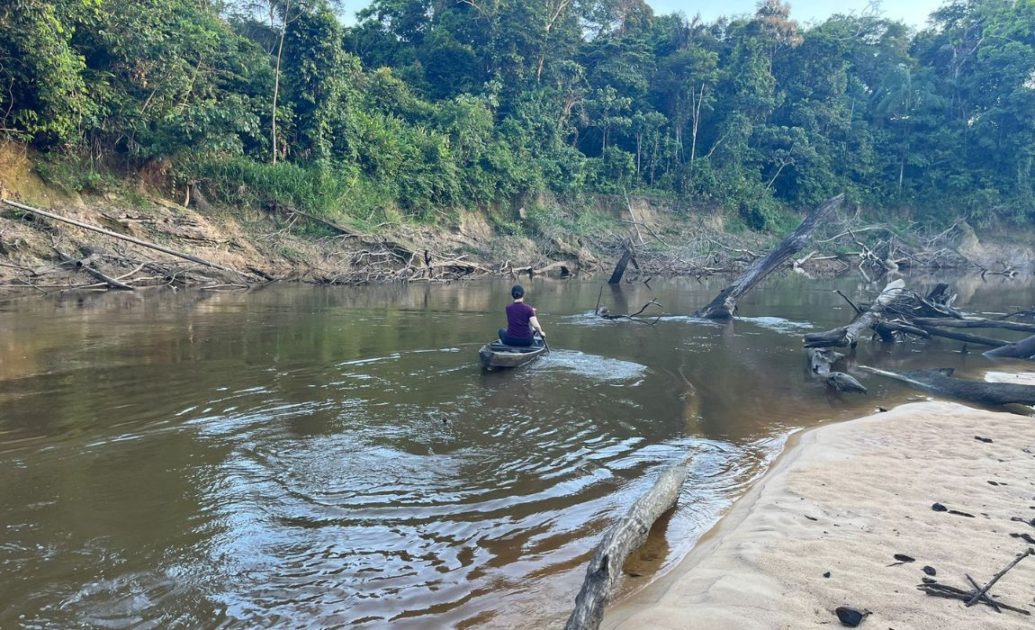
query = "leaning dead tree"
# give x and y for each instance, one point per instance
(605, 567)
(725, 304)
(628, 255)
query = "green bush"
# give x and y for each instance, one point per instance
(241, 181)
(75, 175)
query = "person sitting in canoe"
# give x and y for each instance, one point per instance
(521, 321)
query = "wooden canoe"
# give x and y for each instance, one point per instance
(495, 355)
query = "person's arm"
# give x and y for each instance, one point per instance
(534, 321)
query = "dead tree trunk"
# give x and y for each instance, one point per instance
(958, 336)
(136, 241)
(725, 304)
(849, 335)
(973, 322)
(941, 381)
(623, 262)
(628, 534)
(1023, 349)
(86, 265)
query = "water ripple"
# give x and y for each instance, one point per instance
(590, 366)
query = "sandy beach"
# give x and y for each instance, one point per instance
(822, 528)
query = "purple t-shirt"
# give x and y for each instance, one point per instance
(518, 315)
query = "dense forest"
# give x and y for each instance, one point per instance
(427, 105)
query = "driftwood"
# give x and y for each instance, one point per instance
(900, 249)
(603, 311)
(458, 266)
(1023, 349)
(937, 304)
(725, 304)
(607, 314)
(934, 331)
(398, 249)
(974, 322)
(898, 310)
(262, 274)
(979, 594)
(137, 241)
(887, 329)
(564, 267)
(605, 566)
(86, 265)
(849, 335)
(821, 362)
(941, 381)
(1025, 313)
(936, 589)
(337, 227)
(461, 266)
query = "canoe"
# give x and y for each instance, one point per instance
(496, 355)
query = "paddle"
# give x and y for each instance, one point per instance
(545, 345)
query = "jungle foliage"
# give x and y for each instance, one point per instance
(433, 104)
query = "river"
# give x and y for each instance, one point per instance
(312, 456)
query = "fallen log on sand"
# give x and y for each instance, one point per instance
(605, 566)
(941, 381)
(725, 304)
(1023, 349)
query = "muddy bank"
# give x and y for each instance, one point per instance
(254, 246)
(850, 516)
(39, 253)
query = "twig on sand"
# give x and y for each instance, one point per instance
(977, 596)
(936, 589)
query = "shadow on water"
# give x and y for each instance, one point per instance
(314, 456)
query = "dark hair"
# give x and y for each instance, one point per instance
(517, 291)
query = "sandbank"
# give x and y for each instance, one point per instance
(841, 501)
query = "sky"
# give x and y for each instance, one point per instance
(912, 12)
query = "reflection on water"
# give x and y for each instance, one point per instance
(307, 456)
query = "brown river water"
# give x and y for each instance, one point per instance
(302, 456)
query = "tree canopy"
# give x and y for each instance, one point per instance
(431, 104)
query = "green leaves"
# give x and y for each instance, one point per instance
(432, 104)
(42, 90)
